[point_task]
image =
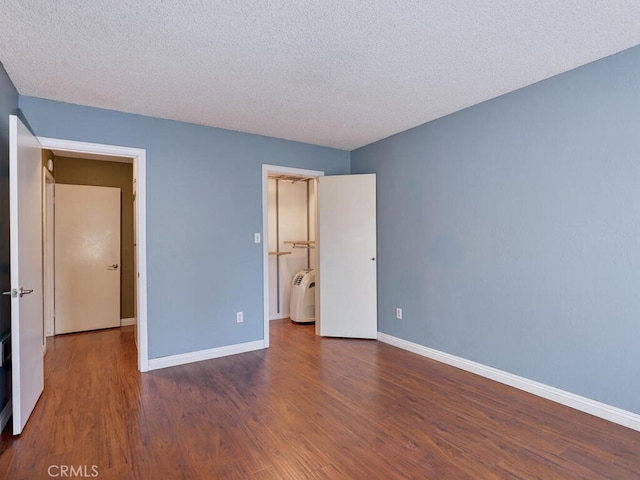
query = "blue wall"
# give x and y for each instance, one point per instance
(509, 232)
(204, 202)
(8, 106)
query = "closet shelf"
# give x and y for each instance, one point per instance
(279, 253)
(301, 243)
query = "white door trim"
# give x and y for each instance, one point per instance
(139, 156)
(48, 265)
(266, 170)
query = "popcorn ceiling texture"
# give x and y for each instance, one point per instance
(334, 73)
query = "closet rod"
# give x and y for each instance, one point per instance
(301, 243)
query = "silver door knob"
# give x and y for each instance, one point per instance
(18, 293)
(113, 266)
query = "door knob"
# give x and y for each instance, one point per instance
(113, 266)
(18, 293)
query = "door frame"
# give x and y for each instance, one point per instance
(139, 156)
(266, 170)
(48, 271)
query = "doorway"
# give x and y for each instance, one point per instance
(345, 227)
(292, 205)
(94, 241)
(302, 223)
(136, 157)
(93, 250)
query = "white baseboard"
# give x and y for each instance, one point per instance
(182, 358)
(598, 409)
(5, 415)
(127, 321)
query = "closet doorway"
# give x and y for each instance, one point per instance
(293, 260)
(345, 251)
(297, 192)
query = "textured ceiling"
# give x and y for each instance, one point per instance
(335, 73)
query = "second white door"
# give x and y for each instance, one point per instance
(347, 273)
(25, 206)
(87, 258)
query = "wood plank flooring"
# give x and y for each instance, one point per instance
(307, 408)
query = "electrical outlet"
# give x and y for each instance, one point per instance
(256, 238)
(399, 313)
(239, 317)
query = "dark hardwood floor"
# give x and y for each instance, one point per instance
(307, 408)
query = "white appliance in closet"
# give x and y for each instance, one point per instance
(303, 297)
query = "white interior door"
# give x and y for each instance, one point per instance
(87, 258)
(347, 278)
(25, 206)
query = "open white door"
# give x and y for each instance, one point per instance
(347, 265)
(25, 191)
(87, 258)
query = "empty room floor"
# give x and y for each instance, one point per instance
(307, 407)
